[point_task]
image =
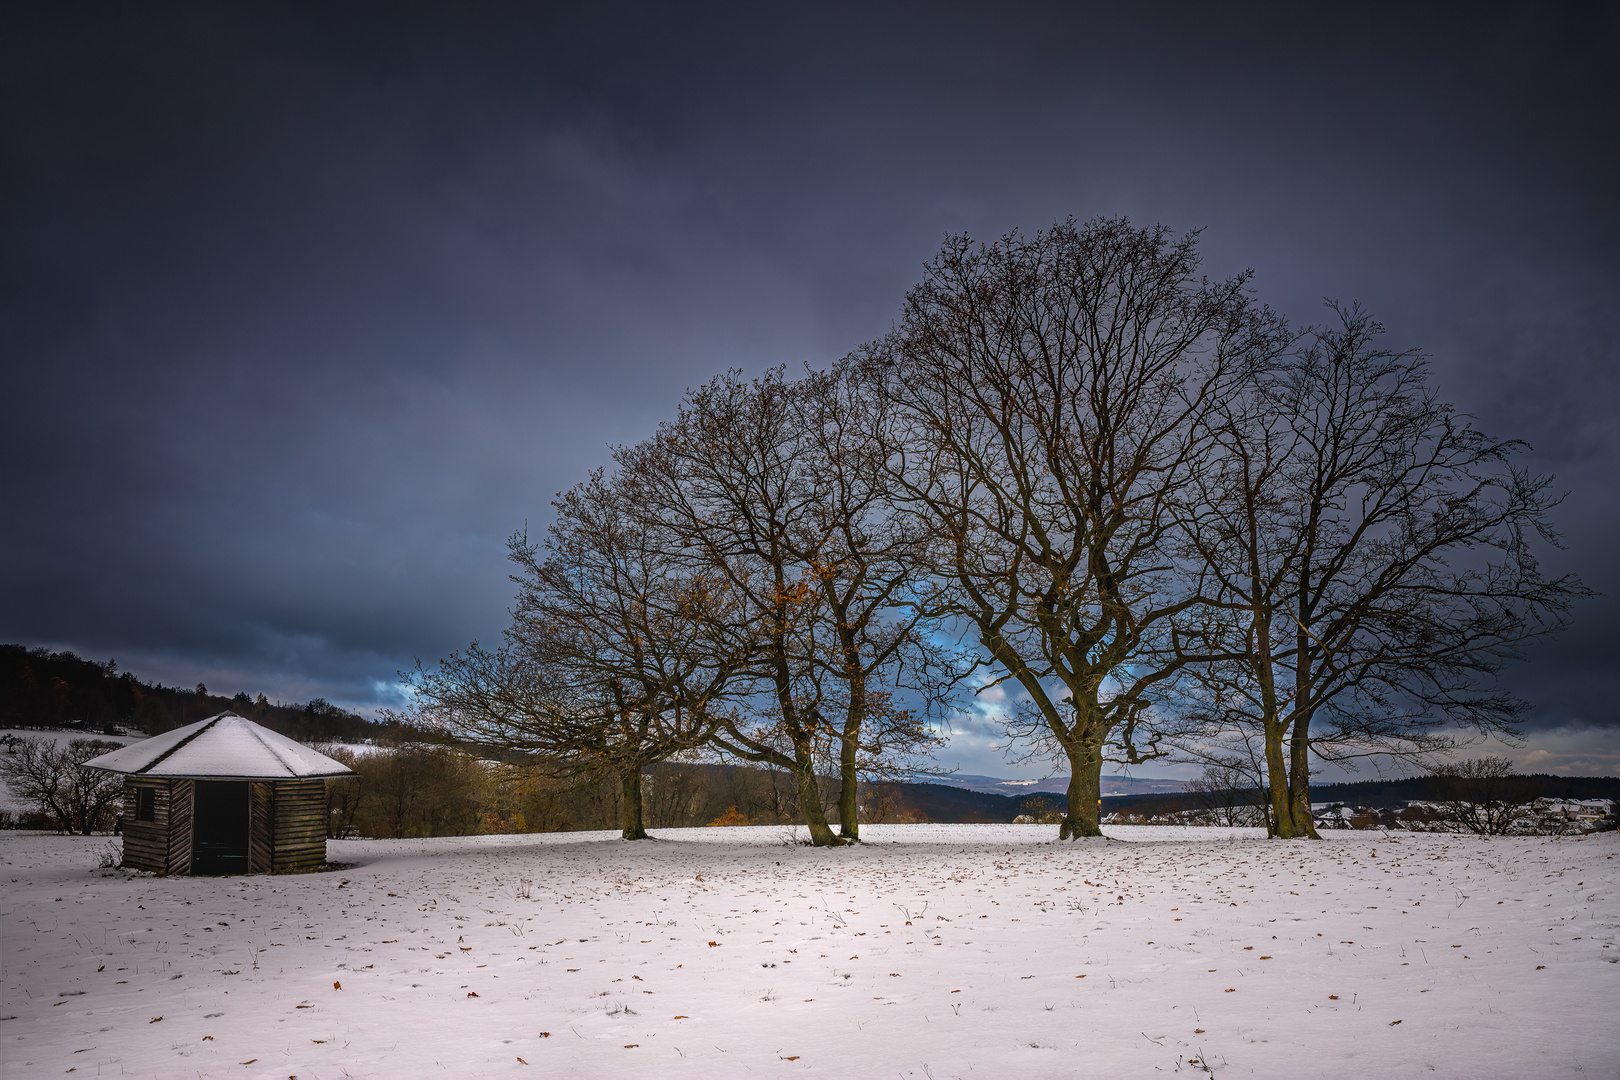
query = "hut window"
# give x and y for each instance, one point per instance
(145, 804)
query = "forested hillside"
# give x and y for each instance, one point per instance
(43, 689)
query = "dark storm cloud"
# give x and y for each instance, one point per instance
(307, 308)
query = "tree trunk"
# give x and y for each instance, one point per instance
(815, 818)
(1283, 822)
(1289, 782)
(1299, 745)
(1299, 777)
(1085, 794)
(1278, 824)
(630, 804)
(849, 824)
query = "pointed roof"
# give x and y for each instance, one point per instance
(223, 747)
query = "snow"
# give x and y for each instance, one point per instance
(929, 951)
(1052, 785)
(61, 736)
(226, 745)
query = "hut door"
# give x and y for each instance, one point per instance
(221, 828)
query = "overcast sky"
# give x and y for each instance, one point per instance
(306, 308)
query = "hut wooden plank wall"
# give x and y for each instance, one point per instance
(278, 826)
(182, 816)
(262, 827)
(157, 835)
(300, 825)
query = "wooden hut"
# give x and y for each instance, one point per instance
(222, 796)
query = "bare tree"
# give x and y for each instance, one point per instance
(776, 487)
(56, 779)
(1370, 552)
(1051, 388)
(1232, 792)
(723, 475)
(1482, 795)
(869, 561)
(344, 796)
(615, 660)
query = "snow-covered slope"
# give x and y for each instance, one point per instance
(931, 951)
(1111, 785)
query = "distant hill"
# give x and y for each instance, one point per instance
(1002, 800)
(1111, 785)
(960, 804)
(60, 690)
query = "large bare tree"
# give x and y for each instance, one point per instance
(1052, 388)
(617, 657)
(776, 486)
(1371, 553)
(874, 641)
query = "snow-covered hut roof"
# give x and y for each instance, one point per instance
(223, 747)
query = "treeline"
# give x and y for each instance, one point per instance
(1161, 520)
(423, 789)
(44, 689)
(433, 790)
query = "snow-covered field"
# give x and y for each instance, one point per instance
(930, 951)
(58, 736)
